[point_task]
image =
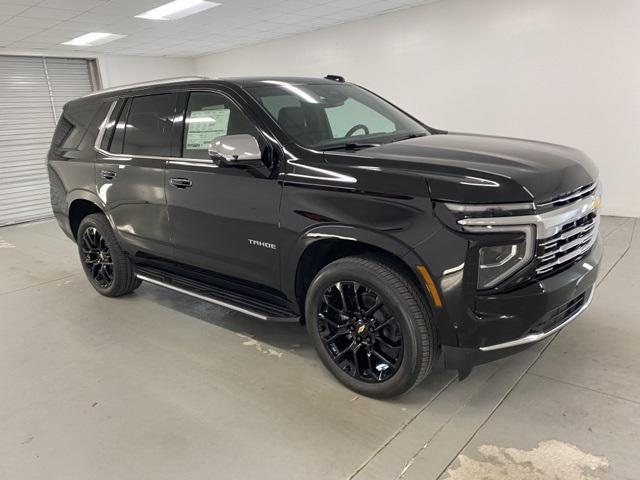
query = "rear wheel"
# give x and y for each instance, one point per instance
(370, 326)
(107, 267)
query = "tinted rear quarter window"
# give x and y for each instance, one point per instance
(110, 124)
(149, 124)
(118, 134)
(74, 123)
(62, 132)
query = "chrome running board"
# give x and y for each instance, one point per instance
(233, 301)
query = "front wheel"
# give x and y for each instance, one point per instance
(370, 326)
(107, 267)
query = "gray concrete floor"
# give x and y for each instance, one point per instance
(157, 385)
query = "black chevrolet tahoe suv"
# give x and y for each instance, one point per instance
(316, 201)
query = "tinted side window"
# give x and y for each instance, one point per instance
(115, 146)
(110, 125)
(148, 128)
(74, 123)
(62, 132)
(210, 115)
(91, 131)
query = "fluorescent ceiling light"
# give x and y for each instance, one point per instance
(177, 9)
(93, 38)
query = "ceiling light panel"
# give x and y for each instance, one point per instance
(93, 38)
(177, 9)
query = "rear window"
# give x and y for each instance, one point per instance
(149, 123)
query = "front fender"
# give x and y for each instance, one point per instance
(425, 253)
(344, 233)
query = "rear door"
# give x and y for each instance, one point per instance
(222, 218)
(130, 169)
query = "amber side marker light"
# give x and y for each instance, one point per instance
(431, 286)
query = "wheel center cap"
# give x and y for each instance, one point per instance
(361, 328)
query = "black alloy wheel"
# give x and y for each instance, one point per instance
(97, 257)
(108, 268)
(371, 325)
(359, 332)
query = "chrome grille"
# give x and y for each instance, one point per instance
(574, 239)
(570, 197)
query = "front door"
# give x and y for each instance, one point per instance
(130, 171)
(222, 218)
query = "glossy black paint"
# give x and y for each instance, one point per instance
(483, 169)
(316, 206)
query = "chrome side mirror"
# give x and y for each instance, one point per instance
(242, 149)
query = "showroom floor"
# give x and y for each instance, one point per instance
(158, 385)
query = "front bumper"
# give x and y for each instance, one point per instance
(566, 314)
(502, 324)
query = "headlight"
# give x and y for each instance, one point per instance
(498, 262)
(514, 246)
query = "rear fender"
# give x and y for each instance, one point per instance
(83, 194)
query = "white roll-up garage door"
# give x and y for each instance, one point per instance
(33, 91)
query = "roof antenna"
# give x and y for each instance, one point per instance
(335, 78)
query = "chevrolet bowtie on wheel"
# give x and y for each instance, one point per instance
(396, 244)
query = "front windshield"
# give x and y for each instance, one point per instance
(326, 115)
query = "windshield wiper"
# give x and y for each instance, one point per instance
(407, 137)
(350, 146)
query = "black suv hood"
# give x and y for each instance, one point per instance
(483, 169)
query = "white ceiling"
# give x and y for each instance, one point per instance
(44, 24)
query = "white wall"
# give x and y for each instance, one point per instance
(122, 69)
(564, 71)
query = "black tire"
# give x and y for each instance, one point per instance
(107, 267)
(402, 302)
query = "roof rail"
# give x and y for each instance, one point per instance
(151, 83)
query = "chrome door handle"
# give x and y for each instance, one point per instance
(108, 174)
(180, 182)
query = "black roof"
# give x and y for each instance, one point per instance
(241, 82)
